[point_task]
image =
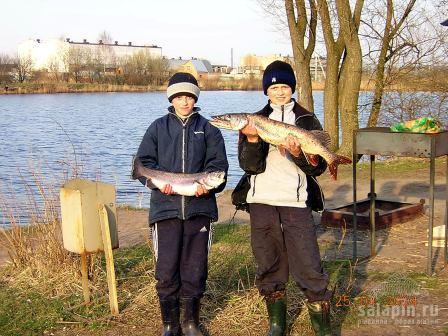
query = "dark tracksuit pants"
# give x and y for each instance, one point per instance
(284, 241)
(181, 248)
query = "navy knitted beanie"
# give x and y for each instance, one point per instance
(182, 84)
(279, 72)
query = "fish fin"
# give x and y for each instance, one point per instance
(323, 137)
(333, 167)
(311, 159)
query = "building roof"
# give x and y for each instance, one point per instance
(199, 65)
(175, 63)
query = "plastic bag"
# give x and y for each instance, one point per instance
(420, 125)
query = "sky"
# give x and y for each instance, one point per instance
(195, 28)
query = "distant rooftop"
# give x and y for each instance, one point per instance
(116, 43)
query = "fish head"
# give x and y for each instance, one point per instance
(214, 179)
(232, 121)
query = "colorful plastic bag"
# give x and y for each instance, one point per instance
(420, 125)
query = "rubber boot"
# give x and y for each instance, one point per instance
(320, 317)
(276, 304)
(190, 322)
(169, 309)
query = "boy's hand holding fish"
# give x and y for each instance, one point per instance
(250, 131)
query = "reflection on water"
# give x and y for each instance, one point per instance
(52, 136)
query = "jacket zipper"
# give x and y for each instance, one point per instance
(283, 113)
(184, 126)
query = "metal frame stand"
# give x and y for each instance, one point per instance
(381, 141)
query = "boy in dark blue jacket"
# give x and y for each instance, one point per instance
(182, 141)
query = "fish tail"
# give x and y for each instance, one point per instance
(333, 166)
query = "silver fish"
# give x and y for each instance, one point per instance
(314, 142)
(183, 184)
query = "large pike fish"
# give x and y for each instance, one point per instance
(183, 184)
(276, 133)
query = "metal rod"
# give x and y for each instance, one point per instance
(372, 207)
(431, 205)
(355, 221)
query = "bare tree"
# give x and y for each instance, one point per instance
(106, 53)
(23, 68)
(351, 70)
(404, 45)
(344, 69)
(393, 27)
(6, 68)
(335, 47)
(76, 61)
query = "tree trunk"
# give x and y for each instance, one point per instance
(350, 79)
(298, 24)
(331, 91)
(331, 106)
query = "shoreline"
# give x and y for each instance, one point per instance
(54, 88)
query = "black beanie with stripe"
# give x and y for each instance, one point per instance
(182, 84)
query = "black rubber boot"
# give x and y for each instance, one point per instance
(190, 322)
(169, 309)
(320, 317)
(276, 304)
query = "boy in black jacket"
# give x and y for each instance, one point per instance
(182, 142)
(282, 192)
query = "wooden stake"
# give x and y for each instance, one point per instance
(85, 278)
(107, 245)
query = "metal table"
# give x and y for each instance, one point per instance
(381, 141)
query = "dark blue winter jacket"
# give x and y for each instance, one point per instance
(194, 146)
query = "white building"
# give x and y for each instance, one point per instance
(53, 54)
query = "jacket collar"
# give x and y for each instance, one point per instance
(298, 110)
(195, 109)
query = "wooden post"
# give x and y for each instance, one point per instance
(85, 278)
(104, 220)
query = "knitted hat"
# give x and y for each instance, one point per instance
(279, 72)
(182, 84)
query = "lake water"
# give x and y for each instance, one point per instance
(46, 137)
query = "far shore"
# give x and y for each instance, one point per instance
(63, 87)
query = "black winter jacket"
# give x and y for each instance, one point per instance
(195, 147)
(252, 159)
